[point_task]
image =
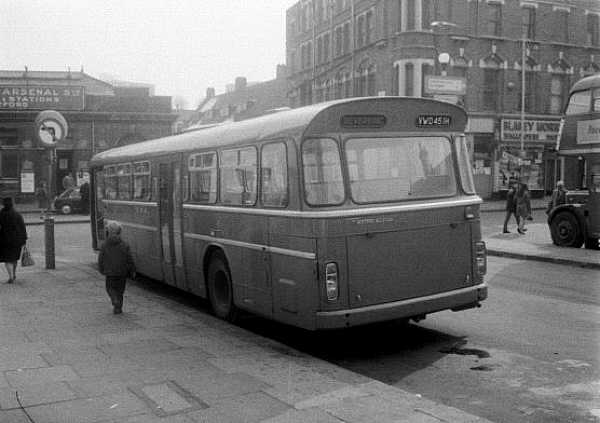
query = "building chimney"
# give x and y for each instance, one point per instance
(210, 93)
(240, 83)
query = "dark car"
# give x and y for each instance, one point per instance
(69, 202)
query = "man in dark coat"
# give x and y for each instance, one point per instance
(116, 263)
(13, 236)
(511, 205)
(84, 190)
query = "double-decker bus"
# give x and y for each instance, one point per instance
(577, 222)
(327, 216)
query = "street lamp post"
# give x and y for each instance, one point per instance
(523, 98)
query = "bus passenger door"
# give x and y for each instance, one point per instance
(170, 223)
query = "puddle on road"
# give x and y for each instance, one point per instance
(457, 349)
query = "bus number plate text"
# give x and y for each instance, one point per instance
(433, 120)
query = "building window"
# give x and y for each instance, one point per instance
(347, 85)
(563, 25)
(409, 74)
(449, 10)
(369, 27)
(592, 29)
(338, 41)
(426, 69)
(346, 44)
(371, 80)
(528, 23)
(326, 38)
(530, 91)
(494, 26)
(360, 31)
(426, 14)
(491, 89)
(319, 50)
(339, 86)
(399, 15)
(396, 80)
(557, 93)
(410, 15)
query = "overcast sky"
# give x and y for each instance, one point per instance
(180, 46)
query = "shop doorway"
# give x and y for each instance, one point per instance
(64, 166)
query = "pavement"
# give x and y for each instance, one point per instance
(64, 357)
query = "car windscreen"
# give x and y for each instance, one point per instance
(400, 168)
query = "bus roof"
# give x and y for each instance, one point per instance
(313, 119)
(592, 81)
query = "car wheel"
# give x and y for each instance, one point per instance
(220, 288)
(66, 209)
(565, 230)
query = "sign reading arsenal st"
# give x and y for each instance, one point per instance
(27, 97)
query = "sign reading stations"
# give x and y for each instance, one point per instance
(23, 97)
(433, 120)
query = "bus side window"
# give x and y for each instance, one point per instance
(141, 181)
(579, 102)
(274, 182)
(202, 170)
(239, 176)
(596, 100)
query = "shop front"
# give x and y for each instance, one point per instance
(527, 154)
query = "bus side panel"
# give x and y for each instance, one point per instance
(293, 272)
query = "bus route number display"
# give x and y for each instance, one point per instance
(363, 121)
(433, 120)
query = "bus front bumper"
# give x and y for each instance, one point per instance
(459, 299)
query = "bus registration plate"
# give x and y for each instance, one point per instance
(433, 120)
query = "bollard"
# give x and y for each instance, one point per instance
(49, 241)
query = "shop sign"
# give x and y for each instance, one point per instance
(535, 130)
(588, 131)
(23, 97)
(455, 85)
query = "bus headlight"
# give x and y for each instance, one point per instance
(331, 281)
(481, 257)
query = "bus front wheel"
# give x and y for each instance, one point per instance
(220, 289)
(566, 231)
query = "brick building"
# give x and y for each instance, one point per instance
(243, 100)
(99, 116)
(345, 48)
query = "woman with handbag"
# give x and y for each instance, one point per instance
(523, 199)
(13, 236)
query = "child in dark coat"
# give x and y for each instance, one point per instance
(116, 263)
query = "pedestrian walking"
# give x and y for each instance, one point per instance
(116, 263)
(511, 205)
(523, 200)
(13, 236)
(41, 194)
(559, 196)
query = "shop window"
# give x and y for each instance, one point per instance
(9, 137)
(426, 14)
(9, 164)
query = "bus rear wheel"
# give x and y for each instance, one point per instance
(220, 289)
(565, 230)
